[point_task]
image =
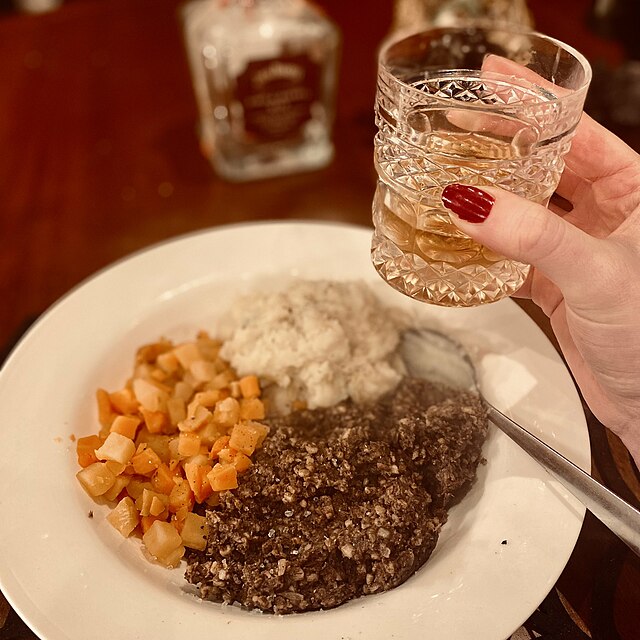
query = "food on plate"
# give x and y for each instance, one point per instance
(343, 501)
(317, 343)
(292, 460)
(181, 430)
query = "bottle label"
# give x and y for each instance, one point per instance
(277, 97)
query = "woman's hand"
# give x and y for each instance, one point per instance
(586, 266)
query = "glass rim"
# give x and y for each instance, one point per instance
(486, 26)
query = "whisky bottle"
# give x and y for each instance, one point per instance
(265, 73)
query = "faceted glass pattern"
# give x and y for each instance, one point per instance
(474, 126)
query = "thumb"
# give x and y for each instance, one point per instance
(522, 230)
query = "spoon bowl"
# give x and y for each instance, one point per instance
(432, 355)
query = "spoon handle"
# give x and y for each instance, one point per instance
(619, 516)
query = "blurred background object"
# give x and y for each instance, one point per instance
(37, 6)
(616, 96)
(265, 80)
(417, 14)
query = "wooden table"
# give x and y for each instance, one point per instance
(99, 158)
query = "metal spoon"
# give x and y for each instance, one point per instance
(433, 356)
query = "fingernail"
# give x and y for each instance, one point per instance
(469, 203)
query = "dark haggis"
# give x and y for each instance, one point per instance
(342, 502)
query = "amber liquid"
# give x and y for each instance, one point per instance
(417, 249)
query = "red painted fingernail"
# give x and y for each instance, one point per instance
(469, 203)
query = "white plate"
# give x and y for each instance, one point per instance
(72, 577)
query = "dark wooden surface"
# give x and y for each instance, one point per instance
(99, 158)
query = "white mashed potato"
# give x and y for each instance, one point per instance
(318, 342)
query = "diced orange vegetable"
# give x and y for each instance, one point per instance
(252, 409)
(150, 395)
(124, 517)
(123, 401)
(155, 421)
(149, 353)
(199, 416)
(221, 443)
(96, 479)
(151, 503)
(227, 412)
(188, 444)
(187, 353)
(136, 486)
(241, 462)
(146, 462)
(163, 479)
(181, 497)
(208, 398)
(249, 386)
(238, 459)
(105, 410)
(119, 484)
(147, 521)
(193, 531)
(85, 449)
(248, 436)
(126, 426)
(223, 477)
(196, 475)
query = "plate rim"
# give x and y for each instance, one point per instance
(212, 231)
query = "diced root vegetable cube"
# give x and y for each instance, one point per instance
(227, 412)
(106, 413)
(252, 409)
(147, 521)
(196, 475)
(168, 362)
(164, 543)
(249, 386)
(221, 443)
(124, 517)
(136, 486)
(248, 436)
(96, 479)
(187, 353)
(202, 370)
(155, 421)
(208, 398)
(86, 449)
(126, 426)
(193, 532)
(188, 444)
(163, 479)
(116, 447)
(173, 559)
(177, 410)
(181, 497)
(151, 503)
(146, 462)
(119, 484)
(195, 419)
(150, 396)
(223, 477)
(241, 462)
(124, 401)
